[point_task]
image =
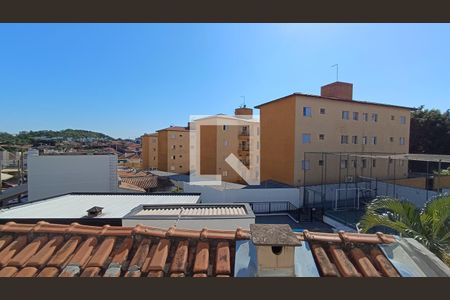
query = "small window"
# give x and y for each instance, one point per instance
(320, 162)
(391, 139)
(181, 146)
(154, 157)
(364, 140)
(181, 135)
(344, 164)
(392, 117)
(307, 111)
(355, 115)
(364, 163)
(354, 139)
(180, 166)
(173, 146)
(181, 156)
(322, 111)
(321, 136)
(225, 127)
(402, 140)
(374, 140)
(173, 157)
(374, 163)
(344, 139)
(225, 173)
(345, 115)
(305, 165)
(402, 120)
(354, 163)
(375, 117)
(306, 138)
(366, 117)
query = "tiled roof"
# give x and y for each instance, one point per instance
(346, 254)
(131, 187)
(174, 128)
(55, 250)
(144, 182)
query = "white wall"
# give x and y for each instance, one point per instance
(50, 175)
(211, 195)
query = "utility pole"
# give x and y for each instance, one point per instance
(243, 97)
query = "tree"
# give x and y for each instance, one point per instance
(429, 225)
(430, 131)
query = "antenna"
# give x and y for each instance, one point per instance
(244, 101)
(337, 71)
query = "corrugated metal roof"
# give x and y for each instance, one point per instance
(237, 210)
(75, 205)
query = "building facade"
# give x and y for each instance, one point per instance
(297, 125)
(149, 154)
(173, 149)
(51, 175)
(222, 135)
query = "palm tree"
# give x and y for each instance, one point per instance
(429, 225)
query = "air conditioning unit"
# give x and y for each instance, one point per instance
(349, 179)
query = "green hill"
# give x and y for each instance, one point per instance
(26, 137)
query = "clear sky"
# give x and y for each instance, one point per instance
(128, 79)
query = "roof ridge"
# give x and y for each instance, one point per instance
(107, 230)
(346, 237)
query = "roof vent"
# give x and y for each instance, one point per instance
(94, 211)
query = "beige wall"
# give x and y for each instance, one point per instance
(283, 121)
(149, 154)
(173, 151)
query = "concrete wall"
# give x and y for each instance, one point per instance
(50, 175)
(212, 195)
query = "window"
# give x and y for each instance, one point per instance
(225, 173)
(322, 111)
(354, 139)
(374, 117)
(321, 136)
(391, 139)
(344, 139)
(307, 111)
(154, 157)
(181, 156)
(305, 165)
(181, 135)
(320, 162)
(402, 141)
(181, 146)
(366, 117)
(364, 163)
(374, 140)
(374, 163)
(402, 120)
(344, 164)
(225, 127)
(392, 117)
(173, 146)
(345, 115)
(306, 138)
(180, 166)
(173, 157)
(364, 140)
(355, 115)
(172, 168)
(154, 149)
(354, 163)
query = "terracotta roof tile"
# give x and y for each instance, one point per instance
(56, 250)
(350, 254)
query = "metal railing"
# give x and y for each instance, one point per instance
(272, 207)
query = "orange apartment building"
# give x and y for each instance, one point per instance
(218, 141)
(149, 155)
(173, 149)
(332, 122)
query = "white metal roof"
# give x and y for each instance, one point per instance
(237, 210)
(75, 205)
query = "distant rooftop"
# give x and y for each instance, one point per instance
(174, 128)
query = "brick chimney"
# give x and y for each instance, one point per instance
(338, 89)
(244, 111)
(275, 249)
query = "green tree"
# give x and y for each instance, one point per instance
(429, 225)
(430, 131)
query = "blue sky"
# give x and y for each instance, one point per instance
(128, 79)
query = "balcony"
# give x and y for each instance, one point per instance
(243, 150)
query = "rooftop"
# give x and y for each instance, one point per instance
(75, 205)
(337, 99)
(53, 250)
(174, 128)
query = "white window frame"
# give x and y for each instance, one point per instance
(307, 109)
